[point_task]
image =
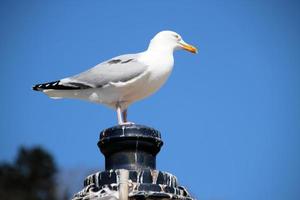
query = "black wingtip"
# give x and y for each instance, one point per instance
(45, 86)
(55, 85)
(36, 87)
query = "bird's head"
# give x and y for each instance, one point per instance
(170, 40)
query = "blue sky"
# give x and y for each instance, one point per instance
(229, 116)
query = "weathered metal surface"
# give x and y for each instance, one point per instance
(134, 148)
(130, 147)
(146, 183)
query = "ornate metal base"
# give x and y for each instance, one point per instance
(134, 148)
(143, 184)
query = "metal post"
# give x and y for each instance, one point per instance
(130, 168)
(123, 184)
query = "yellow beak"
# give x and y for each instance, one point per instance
(189, 47)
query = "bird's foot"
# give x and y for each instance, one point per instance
(126, 123)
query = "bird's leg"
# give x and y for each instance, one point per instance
(119, 113)
(124, 115)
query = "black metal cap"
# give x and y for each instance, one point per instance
(130, 147)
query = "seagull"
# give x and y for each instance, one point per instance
(122, 80)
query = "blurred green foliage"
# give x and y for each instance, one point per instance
(30, 177)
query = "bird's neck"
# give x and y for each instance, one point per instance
(157, 56)
(159, 50)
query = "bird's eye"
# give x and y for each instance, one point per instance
(177, 37)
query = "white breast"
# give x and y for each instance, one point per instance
(160, 67)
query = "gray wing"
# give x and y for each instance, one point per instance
(119, 69)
